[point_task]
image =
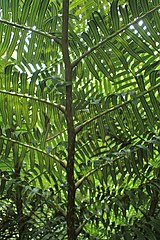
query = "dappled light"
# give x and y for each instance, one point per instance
(79, 119)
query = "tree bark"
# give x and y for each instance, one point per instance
(70, 125)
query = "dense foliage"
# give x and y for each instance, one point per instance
(79, 119)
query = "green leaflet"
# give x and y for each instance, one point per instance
(108, 61)
(118, 115)
(25, 11)
(100, 65)
(41, 161)
(151, 30)
(10, 106)
(91, 68)
(34, 10)
(92, 111)
(128, 48)
(145, 36)
(3, 109)
(109, 119)
(31, 46)
(156, 17)
(39, 48)
(23, 83)
(145, 105)
(8, 74)
(23, 154)
(55, 16)
(34, 112)
(134, 8)
(32, 158)
(105, 174)
(44, 5)
(124, 13)
(139, 42)
(8, 149)
(13, 44)
(21, 45)
(94, 30)
(114, 15)
(18, 109)
(87, 39)
(100, 22)
(32, 85)
(134, 163)
(5, 7)
(15, 81)
(6, 41)
(100, 123)
(14, 8)
(144, 5)
(140, 124)
(155, 104)
(118, 53)
(151, 68)
(129, 118)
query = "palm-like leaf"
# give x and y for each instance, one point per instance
(115, 70)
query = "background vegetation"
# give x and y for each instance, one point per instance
(79, 119)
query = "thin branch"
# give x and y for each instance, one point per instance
(80, 127)
(56, 135)
(44, 34)
(71, 214)
(61, 162)
(36, 177)
(80, 181)
(78, 230)
(56, 207)
(60, 107)
(76, 62)
(65, 25)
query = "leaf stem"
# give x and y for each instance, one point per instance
(44, 34)
(80, 181)
(81, 126)
(60, 107)
(62, 162)
(100, 44)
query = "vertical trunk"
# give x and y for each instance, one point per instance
(70, 126)
(70, 175)
(70, 165)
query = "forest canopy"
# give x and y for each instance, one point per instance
(79, 119)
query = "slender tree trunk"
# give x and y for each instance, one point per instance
(70, 126)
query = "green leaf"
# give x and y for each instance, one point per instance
(25, 11)
(114, 15)
(32, 158)
(134, 8)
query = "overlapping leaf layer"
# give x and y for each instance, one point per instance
(114, 48)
